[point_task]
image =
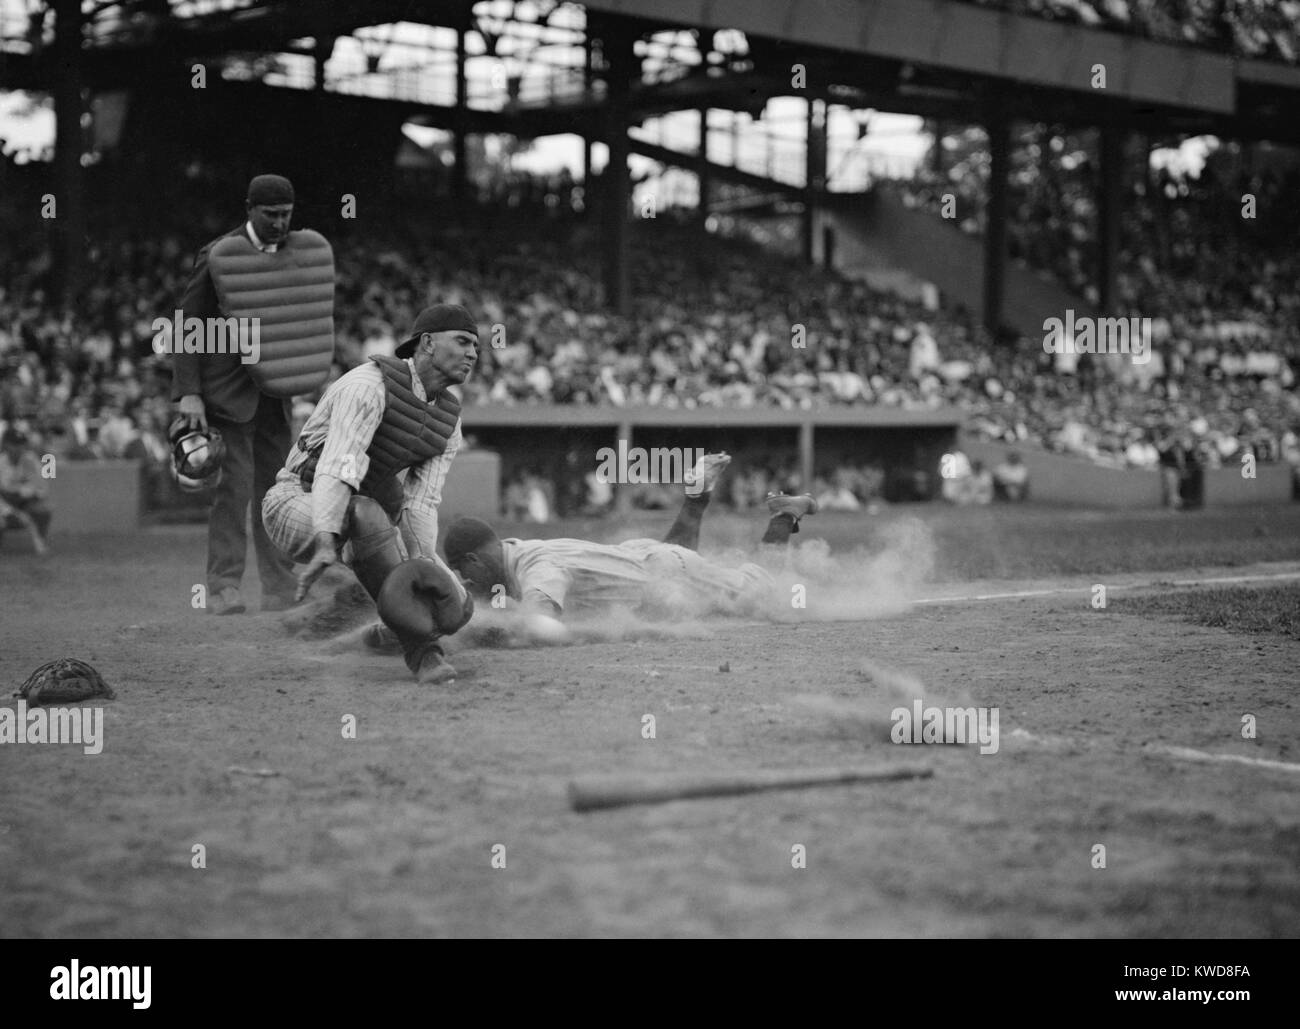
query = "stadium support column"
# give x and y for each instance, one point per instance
(322, 118)
(459, 173)
(936, 151)
(622, 494)
(1110, 209)
(806, 454)
(814, 172)
(321, 54)
(995, 230)
(588, 77)
(620, 64)
(704, 177)
(70, 210)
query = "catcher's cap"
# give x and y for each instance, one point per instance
(438, 318)
(197, 456)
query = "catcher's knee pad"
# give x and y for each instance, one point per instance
(365, 517)
(422, 597)
(376, 545)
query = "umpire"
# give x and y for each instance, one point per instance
(212, 389)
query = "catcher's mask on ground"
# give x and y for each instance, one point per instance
(197, 456)
(65, 681)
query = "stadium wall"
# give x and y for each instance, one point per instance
(473, 486)
(96, 496)
(1058, 479)
(108, 496)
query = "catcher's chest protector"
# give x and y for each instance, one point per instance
(411, 431)
(291, 293)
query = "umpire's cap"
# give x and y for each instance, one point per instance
(438, 318)
(269, 190)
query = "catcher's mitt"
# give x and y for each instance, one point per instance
(65, 681)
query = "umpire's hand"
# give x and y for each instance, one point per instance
(192, 410)
(327, 553)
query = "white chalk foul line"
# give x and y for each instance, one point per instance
(1237, 578)
(1187, 754)
(1062, 590)
(1160, 750)
(1002, 596)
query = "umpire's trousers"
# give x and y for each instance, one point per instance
(255, 451)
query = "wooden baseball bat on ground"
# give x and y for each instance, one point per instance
(591, 793)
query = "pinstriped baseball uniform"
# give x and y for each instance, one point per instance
(580, 576)
(345, 420)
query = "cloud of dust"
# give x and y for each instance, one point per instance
(862, 706)
(861, 584)
(499, 629)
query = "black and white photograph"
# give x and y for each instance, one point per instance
(651, 469)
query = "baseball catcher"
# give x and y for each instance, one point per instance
(549, 578)
(364, 481)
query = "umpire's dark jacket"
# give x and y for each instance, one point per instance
(222, 380)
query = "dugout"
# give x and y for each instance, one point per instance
(562, 443)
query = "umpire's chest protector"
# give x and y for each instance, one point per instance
(291, 294)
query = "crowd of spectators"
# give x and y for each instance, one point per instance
(1266, 29)
(717, 323)
(1051, 193)
(1173, 230)
(968, 482)
(714, 323)
(1220, 291)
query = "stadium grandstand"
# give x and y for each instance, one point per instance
(807, 225)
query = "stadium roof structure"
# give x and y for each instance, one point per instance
(936, 58)
(539, 67)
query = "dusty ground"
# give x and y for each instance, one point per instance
(391, 834)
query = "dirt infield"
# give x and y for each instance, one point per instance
(392, 833)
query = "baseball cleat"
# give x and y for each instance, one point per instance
(704, 476)
(227, 601)
(381, 639)
(435, 671)
(795, 506)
